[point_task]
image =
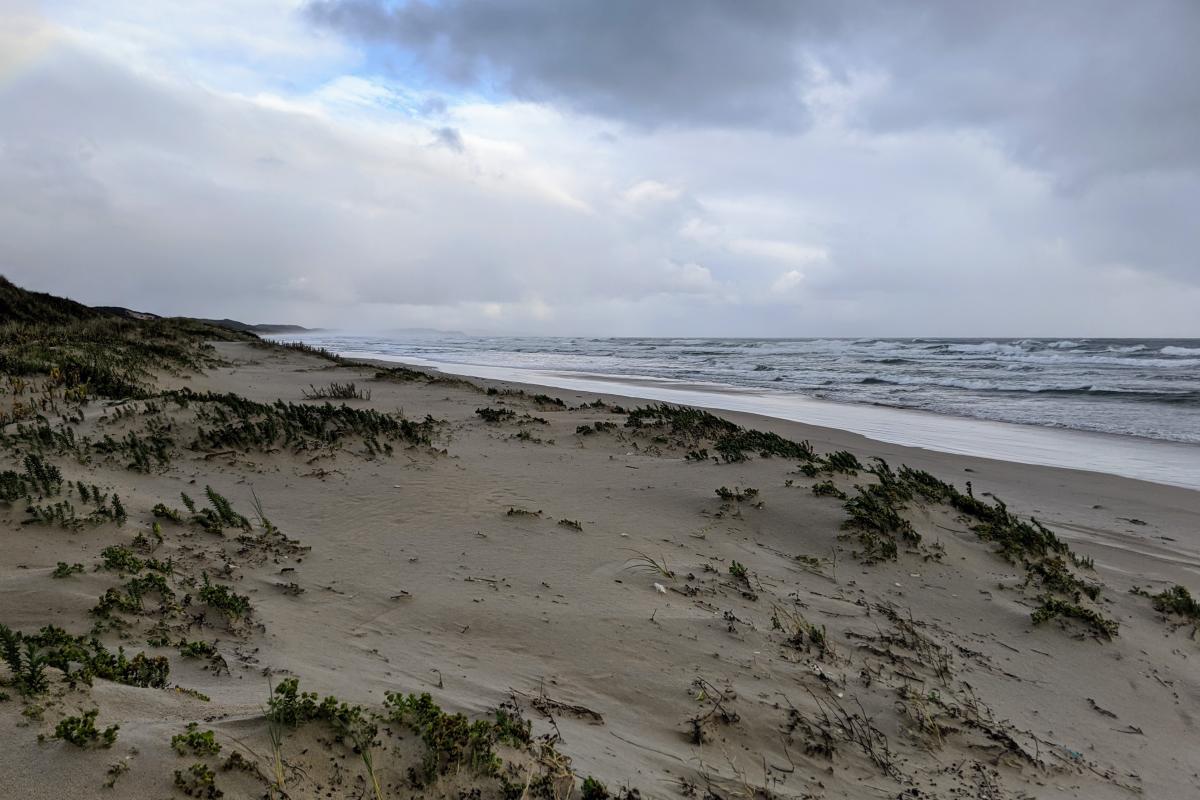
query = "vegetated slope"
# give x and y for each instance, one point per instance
(22, 305)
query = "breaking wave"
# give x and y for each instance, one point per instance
(1136, 387)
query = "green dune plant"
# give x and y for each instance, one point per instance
(27, 665)
(195, 741)
(1176, 600)
(80, 658)
(223, 599)
(494, 415)
(65, 570)
(72, 353)
(198, 780)
(828, 489)
(1051, 607)
(874, 514)
(641, 562)
(336, 391)
(691, 427)
(736, 494)
(39, 478)
(81, 731)
(231, 422)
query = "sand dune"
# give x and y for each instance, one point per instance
(662, 638)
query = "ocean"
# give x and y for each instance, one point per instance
(1144, 390)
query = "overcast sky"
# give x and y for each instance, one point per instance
(618, 167)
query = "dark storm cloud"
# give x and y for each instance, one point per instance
(1076, 88)
(1082, 88)
(650, 63)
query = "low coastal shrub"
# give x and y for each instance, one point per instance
(597, 427)
(592, 789)
(494, 415)
(65, 570)
(514, 511)
(82, 731)
(62, 513)
(1175, 600)
(301, 347)
(120, 559)
(841, 461)
(799, 632)
(144, 454)
(80, 658)
(163, 512)
(875, 516)
(733, 443)
(39, 478)
(198, 780)
(129, 598)
(197, 649)
(27, 665)
(736, 495)
(1053, 575)
(827, 489)
(223, 599)
(1052, 607)
(79, 359)
(452, 742)
(546, 400)
(195, 741)
(229, 421)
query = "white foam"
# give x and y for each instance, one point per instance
(1170, 463)
(988, 348)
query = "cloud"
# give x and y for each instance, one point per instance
(788, 282)
(688, 279)
(783, 252)
(449, 138)
(649, 63)
(650, 193)
(1082, 89)
(1079, 87)
(838, 184)
(267, 208)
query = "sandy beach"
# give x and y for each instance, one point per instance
(599, 400)
(671, 626)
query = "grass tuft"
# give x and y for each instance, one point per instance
(336, 391)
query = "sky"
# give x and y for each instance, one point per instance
(616, 167)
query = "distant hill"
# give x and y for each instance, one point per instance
(22, 305)
(234, 325)
(127, 313)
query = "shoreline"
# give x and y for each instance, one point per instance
(1159, 462)
(1078, 502)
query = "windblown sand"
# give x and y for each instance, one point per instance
(418, 579)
